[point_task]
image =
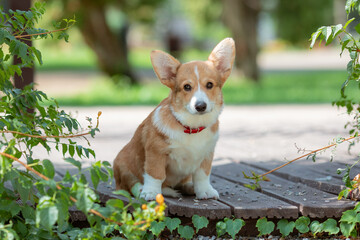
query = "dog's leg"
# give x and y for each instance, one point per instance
(154, 175)
(201, 179)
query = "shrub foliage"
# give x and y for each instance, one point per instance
(34, 203)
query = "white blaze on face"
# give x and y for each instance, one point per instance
(198, 97)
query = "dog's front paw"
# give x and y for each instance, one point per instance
(148, 196)
(207, 193)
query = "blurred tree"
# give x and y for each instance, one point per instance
(296, 20)
(27, 76)
(106, 38)
(241, 16)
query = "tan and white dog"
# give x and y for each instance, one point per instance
(173, 147)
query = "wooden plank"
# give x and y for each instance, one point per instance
(248, 204)
(321, 175)
(186, 206)
(311, 202)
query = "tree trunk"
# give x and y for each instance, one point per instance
(241, 16)
(27, 76)
(111, 51)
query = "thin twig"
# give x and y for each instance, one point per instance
(52, 136)
(57, 186)
(44, 33)
(44, 137)
(305, 155)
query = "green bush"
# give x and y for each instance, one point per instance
(33, 205)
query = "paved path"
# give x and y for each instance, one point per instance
(247, 133)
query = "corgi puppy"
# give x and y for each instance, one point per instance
(173, 147)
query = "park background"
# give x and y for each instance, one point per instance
(107, 58)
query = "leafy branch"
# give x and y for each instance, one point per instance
(57, 186)
(45, 209)
(91, 132)
(313, 153)
(42, 33)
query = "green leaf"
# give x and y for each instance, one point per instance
(71, 150)
(64, 149)
(199, 222)
(264, 226)
(357, 207)
(157, 227)
(349, 67)
(349, 216)
(220, 228)
(285, 227)
(79, 150)
(330, 226)
(63, 206)
(10, 206)
(136, 189)
(123, 193)
(172, 223)
(326, 31)
(336, 29)
(85, 199)
(234, 226)
(49, 170)
(316, 227)
(21, 229)
(302, 224)
(47, 216)
(38, 56)
(315, 35)
(348, 22)
(23, 186)
(73, 161)
(68, 124)
(186, 232)
(357, 28)
(347, 228)
(116, 203)
(22, 50)
(94, 177)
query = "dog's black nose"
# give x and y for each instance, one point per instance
(200, 106)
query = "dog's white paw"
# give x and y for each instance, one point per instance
(169, 192)
(148, 196)
(207, 193)
(151, 187)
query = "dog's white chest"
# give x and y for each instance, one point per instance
(188, 151)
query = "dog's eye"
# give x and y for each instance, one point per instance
(187, 87)
(209, 85)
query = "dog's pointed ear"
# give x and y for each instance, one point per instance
(165, 67)
(223, 57)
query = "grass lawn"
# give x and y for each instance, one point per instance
(275, 87)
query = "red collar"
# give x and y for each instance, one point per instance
(192, 130)
(189, 130)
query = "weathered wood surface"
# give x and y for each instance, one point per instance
(301, 189)
(310, 201)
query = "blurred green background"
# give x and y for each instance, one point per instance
(106, 61)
